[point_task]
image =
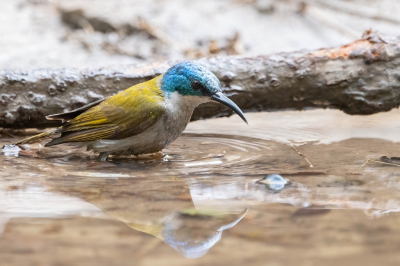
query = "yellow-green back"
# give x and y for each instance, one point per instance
(125, 114)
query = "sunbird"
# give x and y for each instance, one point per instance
(144, 118)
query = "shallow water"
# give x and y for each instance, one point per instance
(207, 202)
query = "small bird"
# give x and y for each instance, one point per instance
(144, 118)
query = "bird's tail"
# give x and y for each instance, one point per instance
(39, 137)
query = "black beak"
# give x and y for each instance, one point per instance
(221, 98)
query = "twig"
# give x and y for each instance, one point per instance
(302, 156)
(369, 160)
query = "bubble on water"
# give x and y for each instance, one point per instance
(274, 182)
(11, 150)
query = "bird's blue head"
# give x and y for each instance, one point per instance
(191, 79)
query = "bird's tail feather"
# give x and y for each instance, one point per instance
(39, 137)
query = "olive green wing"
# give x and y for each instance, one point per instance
(125, 114)
(67, 116)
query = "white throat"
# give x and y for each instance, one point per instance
(181, 107)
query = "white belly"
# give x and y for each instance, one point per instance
(169, 127)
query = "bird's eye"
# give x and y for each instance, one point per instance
(196, 85)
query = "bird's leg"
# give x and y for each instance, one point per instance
(102, 156)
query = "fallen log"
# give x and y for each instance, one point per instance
(359, 78)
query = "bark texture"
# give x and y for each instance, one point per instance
(359, 78)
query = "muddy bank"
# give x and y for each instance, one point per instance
(359, 78)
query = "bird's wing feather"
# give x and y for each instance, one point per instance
(125, 114)
(67, 116)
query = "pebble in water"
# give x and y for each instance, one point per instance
(274, 182)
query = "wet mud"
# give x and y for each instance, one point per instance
(245, 196)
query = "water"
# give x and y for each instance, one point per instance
(207, 202)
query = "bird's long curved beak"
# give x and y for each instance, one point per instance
(221, 98)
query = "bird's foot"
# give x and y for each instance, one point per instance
(158, 155)
(150, 156)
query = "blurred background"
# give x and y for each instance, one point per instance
(95, 33)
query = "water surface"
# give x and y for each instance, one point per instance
(207, 202)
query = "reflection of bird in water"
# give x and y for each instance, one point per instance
(194, 236)
(162, 209)
(144, 118)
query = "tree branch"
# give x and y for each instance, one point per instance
(359, 78)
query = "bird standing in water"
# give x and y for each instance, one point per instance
(144, 118)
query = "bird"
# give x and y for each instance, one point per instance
(142, 119)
